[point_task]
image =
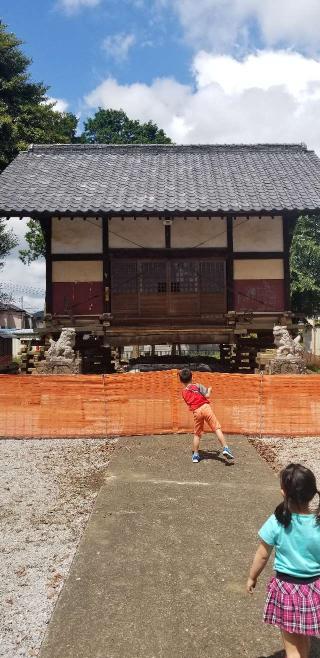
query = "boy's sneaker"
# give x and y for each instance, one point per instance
(227, 453)
(195, 457)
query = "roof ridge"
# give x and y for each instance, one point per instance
(44, 148)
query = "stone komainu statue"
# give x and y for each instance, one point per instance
(60, 359)
(287, 347)
(64, 346)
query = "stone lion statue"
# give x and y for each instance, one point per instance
(64, 346)
(288, 347)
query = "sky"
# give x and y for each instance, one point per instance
(206, 71)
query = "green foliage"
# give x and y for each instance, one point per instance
(35, 240)
(115, 127)
(26, 116)
(305, 265)
(7, 242)
(42, 125)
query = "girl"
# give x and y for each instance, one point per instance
(293, 594)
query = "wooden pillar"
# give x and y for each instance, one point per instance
(46, 226)
(106, 265)
(286, 262)
(229, 264)
(167, 229)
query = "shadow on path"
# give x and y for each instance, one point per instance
(315, 651)
(214, 454)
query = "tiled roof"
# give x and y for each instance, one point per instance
(93, 179)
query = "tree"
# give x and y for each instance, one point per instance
(35, 240)
(7, 242)
(305, 265)
(115, 127)
(26, 116)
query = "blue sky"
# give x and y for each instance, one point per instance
(215, 71)
(178, 62)
(69, 52)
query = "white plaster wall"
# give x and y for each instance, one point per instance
(130, 233)
(77, 236)
(271, 268)
(311, 339)
(11, 319)
(254, 234)
(201, 233)
(78, 270)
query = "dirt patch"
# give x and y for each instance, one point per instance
(47, 491)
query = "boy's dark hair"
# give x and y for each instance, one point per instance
(299, 486)
(185, 375)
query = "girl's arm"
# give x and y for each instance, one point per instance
(259, 562)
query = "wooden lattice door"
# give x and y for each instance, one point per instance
(153, 288)
(184, 288)
(172, 288)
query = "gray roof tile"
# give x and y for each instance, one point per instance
(125, 179)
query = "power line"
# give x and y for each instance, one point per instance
(12, 287)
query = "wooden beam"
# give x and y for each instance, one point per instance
(254, 255)
(182, 253)
(86, 256)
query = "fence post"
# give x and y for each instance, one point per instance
(174, 401)
(261, 384)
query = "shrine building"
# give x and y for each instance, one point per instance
(156, 244)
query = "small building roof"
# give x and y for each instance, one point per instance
(5, 336)
(18, 333)
(11, 307)
(80, 179)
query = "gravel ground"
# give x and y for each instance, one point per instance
(279, 452)
(47, 491)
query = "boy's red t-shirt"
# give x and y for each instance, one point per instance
(193, 396)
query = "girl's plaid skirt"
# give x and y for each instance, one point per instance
(293, 607)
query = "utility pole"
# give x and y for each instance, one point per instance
(21, 306)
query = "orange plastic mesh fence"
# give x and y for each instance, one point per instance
(59, 406)
(151, 403)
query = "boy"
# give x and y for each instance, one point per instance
(196, 397)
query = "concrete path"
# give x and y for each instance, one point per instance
(160, 571)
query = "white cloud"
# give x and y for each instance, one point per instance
(224, 24)
(24, 276)
(298, 74)
(268, 97)
(72, 6)
(118, 45)
(60, 104)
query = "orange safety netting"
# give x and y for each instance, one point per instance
(151, 403)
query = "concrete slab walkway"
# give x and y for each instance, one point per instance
(160, 571)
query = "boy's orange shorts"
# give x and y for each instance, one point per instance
(202, 415)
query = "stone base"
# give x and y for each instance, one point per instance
(58, 366)
(284, 366)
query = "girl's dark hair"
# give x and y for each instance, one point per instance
(299, 486)
(185, 375)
